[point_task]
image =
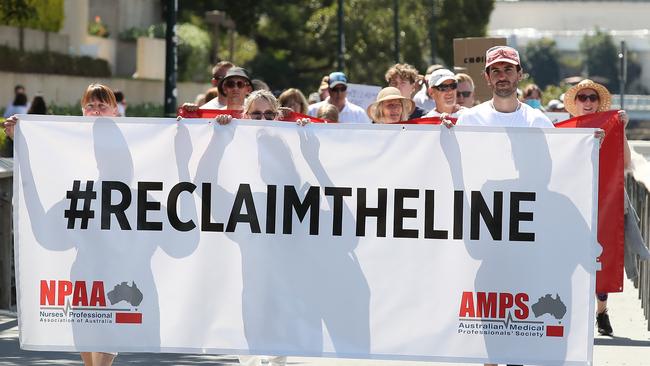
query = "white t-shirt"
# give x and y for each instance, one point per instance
(213, 104)
(422, 100)
(435, 113)
(484, 115)
(351, 113)
(15, 109)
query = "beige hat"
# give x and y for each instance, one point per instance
(603, 94)
(389, 93)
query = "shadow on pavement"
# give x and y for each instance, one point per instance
(621, 341)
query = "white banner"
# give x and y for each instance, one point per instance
(383, 241)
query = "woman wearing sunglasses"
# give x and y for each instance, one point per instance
(260, 104)
(442, 88)
(585, 98)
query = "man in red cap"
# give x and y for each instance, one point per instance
(503, 73)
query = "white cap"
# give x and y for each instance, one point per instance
(440, 76)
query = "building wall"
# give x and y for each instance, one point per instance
(34, 40)
(567, 22)
(120, 15)
(570, 15)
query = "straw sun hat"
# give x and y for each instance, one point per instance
(603, 94)
(389, 93)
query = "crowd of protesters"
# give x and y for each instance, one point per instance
(440, 93)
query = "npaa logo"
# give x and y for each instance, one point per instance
(63, 301)
(507, 314)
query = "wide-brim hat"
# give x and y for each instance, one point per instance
(232, 72)
(389, 93)
(603, 94)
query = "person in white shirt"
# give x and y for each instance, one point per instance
(422, 98)
(502, 73)
(235, 87)
(348, 111)
(442, 87)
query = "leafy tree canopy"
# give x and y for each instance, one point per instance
(296, 40)
(541, 61)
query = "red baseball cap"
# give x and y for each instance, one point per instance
(501, 54)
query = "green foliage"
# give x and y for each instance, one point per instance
(43, 62)
(64, 110)
(152, 31)
(45, 15)
(245, 48)
(600, 58)
(145, 110)
(541, 61)
(193, 53)
(297, 39)
(133, 110)
(634, 69)
(459, 19)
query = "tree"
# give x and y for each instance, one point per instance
(541, 61)
(459, 19)
(600, 59)
(297, 39)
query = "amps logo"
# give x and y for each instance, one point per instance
(63, 301)
(508, 314)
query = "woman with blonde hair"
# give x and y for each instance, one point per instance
(390, 107)
(260, 104)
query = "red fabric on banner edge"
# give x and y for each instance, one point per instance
(611, 184)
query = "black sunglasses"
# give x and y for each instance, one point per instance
(464, 94)
(583, 97)
(445, 87)
(338, 89)
(268, 115)
(240, 84)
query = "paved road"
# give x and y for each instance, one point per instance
(629, 347)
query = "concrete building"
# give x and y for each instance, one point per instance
(118, 16)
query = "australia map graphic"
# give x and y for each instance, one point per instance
(124, 292)
(549, 305)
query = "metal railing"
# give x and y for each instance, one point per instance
(640, 197)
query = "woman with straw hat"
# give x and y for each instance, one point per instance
(390, 107)
(590, 97)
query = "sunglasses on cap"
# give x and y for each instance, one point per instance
(338, 89)
(464, 94)
(239, 84)
(268, 115)
(445, 87)
(583, 97)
